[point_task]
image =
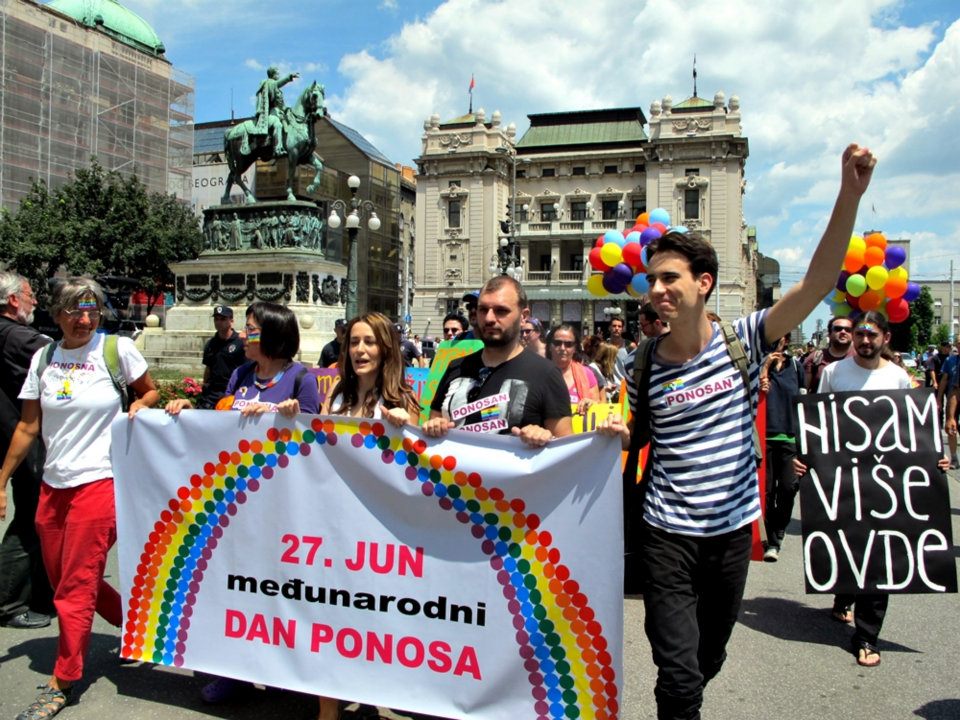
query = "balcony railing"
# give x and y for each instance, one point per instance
(565, 277)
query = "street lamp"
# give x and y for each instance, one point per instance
(507, 260)
(353, 224)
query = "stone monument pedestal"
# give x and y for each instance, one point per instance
(274, 251)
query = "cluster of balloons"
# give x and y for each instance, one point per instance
(620, 258)
(873, 278)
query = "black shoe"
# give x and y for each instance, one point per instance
(28, 620)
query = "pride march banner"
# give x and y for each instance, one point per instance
(469, 577)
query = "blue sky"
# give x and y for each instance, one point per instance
(811, 76)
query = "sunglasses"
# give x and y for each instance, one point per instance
(527, 331)
(564, 343)
(80, 312)
(841, 329)
(451, 331)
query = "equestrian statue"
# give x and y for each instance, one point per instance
(276, 132)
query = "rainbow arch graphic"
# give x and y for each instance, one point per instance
(562, 644)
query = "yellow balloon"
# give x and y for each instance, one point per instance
(877, 277)
(857, 245)
(898, 273)
(611, 254)
(595, 285)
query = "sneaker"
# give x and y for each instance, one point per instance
(223, 689)
(772, 554)
(28, 620)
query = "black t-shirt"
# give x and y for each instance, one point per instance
(330, 353)
(18, 343)
(222, 357)
(409, 352)
(525, 390)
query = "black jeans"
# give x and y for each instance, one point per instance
(868, 614)
(692, 591)
(23, 579)
(782, 486)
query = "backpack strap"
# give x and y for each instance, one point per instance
(111, 356)
(45, 359)
(640, 436)
(739, 356)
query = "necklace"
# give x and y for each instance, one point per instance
(266, 385)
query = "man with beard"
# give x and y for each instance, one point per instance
(502, 389)
(839, 332)
(26, 599)
(865, 370)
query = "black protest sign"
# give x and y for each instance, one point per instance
(875, 508)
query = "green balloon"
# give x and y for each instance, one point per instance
(856, 285)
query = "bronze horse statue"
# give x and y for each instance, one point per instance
(299, 141)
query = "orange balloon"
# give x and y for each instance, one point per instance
(853, 261)
(871, 300)
(875, 240)
(894, 288)
(643, 218)
(874, 256)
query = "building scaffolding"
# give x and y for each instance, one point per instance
(72, 93)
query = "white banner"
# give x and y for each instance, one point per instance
(467, 578)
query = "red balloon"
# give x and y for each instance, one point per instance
(631, 255)
(898, 310)
(853, 302)
(596, 262)
(599, 242)
(659, 226)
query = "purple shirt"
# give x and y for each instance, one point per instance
(242, 386)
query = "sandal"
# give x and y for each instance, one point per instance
(49, 702)
(867, 655)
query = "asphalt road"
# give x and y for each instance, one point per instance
(787, 659)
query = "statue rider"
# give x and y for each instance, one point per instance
(270, 107)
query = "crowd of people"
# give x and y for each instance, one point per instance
(694, 510)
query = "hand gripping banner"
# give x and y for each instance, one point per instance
(469, 577)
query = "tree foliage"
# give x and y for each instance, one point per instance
(922, 314)
(100, 223)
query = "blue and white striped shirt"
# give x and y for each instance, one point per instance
(704, 476)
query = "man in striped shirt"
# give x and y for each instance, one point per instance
(703, 494)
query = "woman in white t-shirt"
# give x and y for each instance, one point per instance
(71, 398)
(371, 385)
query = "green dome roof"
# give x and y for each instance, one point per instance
(114, 19)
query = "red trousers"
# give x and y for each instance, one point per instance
(77, 527)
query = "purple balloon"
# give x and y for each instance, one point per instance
(614, 281)
(842, 281)
(895, 256)
(912, 293)
(649, 235)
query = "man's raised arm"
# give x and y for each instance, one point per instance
(802, 298)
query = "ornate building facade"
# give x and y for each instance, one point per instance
(571, 177)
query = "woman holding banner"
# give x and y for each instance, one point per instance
(581, 382)
(73, 392)
(371, 385)
(270, 381)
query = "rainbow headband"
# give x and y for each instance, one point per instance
(562, 644)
